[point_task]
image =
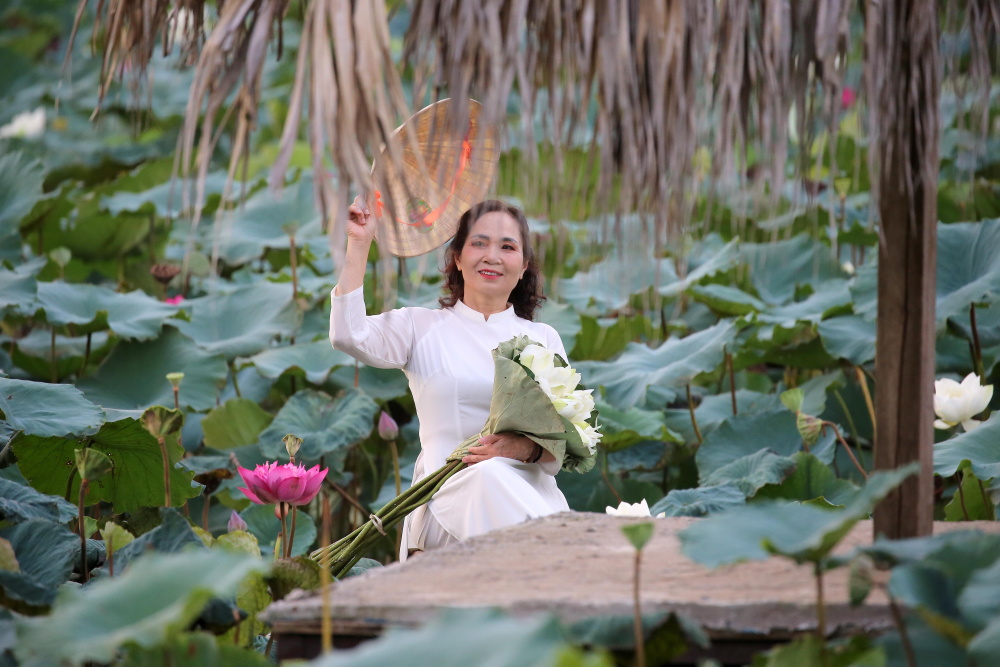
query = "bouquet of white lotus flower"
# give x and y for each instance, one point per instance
(535, 394)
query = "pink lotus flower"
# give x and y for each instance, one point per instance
(387, 427)
(847, 97)
(290, 483)
(174, 300)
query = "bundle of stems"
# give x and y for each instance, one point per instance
(343, 554)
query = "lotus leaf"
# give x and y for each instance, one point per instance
(811, 479)
(19, 502)
(459, 638)
(968, 267)
(327, 426)
(727, 300)
(382, 384)
(88, 308)
(46, 552)
(157, 597)
(315, 359)
(700, 501)
(173, 534)
(800, 532)
(133, 376)
(978, 447)
(704, 261)
(18, 288)
(778, 268)
(136, 479)
(610, 283)
(37, 408)
(241, 322)
(670, 366)
(235, 423)
(751, 472)
(849, 337)
(744, 435)
(165, 198)
(20, 186)
(624, 428)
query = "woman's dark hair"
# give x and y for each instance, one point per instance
(527, 294)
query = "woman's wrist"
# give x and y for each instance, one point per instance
(536, 454)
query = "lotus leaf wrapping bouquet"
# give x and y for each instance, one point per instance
(536, 394)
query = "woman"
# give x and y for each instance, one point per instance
(491, 279)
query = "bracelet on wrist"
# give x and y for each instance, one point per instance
(538, 454)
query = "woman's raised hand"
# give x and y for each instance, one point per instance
(360, 224)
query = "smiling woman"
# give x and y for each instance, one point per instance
(491, 293)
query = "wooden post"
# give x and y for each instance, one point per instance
(903, 87)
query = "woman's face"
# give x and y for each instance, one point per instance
(492, 259)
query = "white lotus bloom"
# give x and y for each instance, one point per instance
(957, 403)
(537, 358)
(575, 406)
(591, 436)
(557, 382)
(848, 268)
(639, 509)
(27, 125)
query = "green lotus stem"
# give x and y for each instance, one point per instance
(292, 261)
(343, 554)
(640, 644)
(961, 500)
(732, 380)
(284, 534)
(291, 536)
(694, 422)
(166, 470)
(82, 530)
(52, 357)
(977, 350)
(868, 396)
(326, 617)
(86, 353)
(850, 452)
(236, 386)
(904, 636)
(820, 610)
(982, 490)
(395, 466)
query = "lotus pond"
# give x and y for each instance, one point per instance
(735, 370)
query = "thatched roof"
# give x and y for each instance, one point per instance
(655, 80)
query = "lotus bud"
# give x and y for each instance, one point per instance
(292, 445)
(236, 522)
(388, 429)
(809, 428)
(61, 256)
(957, 403)
(175, 379)
(92, 464)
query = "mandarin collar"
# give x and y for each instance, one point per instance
(475, 316)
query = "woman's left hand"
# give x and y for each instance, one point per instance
(508, 445)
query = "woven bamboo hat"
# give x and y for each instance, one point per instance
(432, 172)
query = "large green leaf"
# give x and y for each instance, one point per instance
(135, 481)
(315, 359)
(726, 299)
(242, 322)
(235, 423)
(88, 308)
(193, 650)
(971, 501)
(704, 261)
(744, 435)
(46, 553)
(327, 426)
(18, 288)
(172, 535)
(611, 282)
(157, 597)
(134, 375)
(701, 501)
(382, 384)
(751, 472)
(37, 408)
(801, 532)
(459, 638)
(20, 186)
(812, 479)
(715, 410)
(165, 198)
(262, 222)
(968, 263)
(562, 317)
(624, 428)
(978, 447)
(19, 502)
(779, 267)
(670, 366)
(849, 337)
